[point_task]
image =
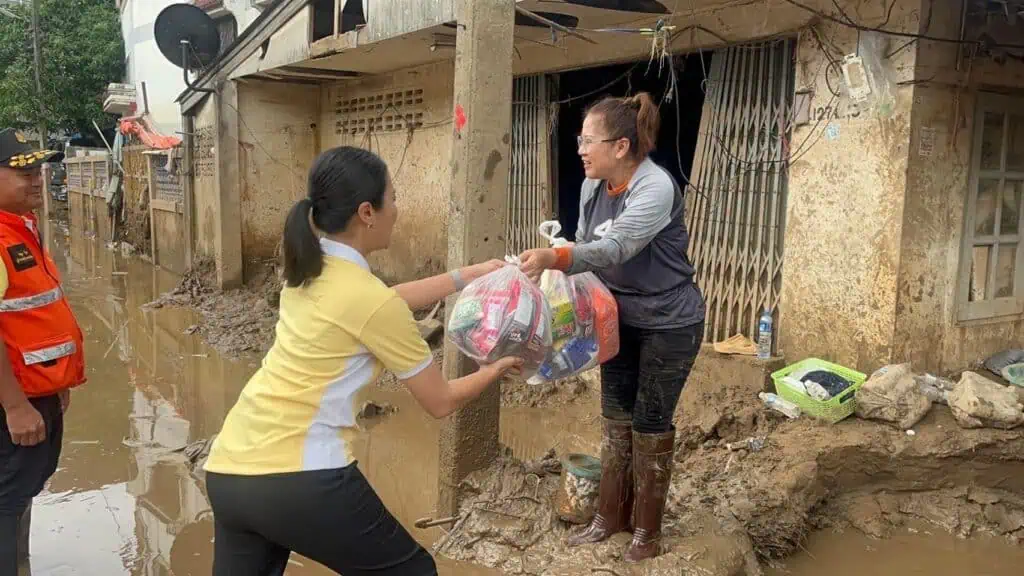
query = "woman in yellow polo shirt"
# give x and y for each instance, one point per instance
(281, 476)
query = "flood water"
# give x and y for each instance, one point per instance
(920, 549)
(120, 504)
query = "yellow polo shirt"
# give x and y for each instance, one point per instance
(333, 338)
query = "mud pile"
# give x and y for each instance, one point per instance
(729, 507)
(236, 322)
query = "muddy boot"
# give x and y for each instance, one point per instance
(615, 498)
(652, 470)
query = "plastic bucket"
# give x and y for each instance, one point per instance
(580, 482)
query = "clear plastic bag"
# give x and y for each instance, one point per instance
(585, 325)
(502, 314)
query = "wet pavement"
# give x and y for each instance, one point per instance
(124, 499)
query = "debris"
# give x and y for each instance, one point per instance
(191, 330)
(978, 402)
(892, 395)
(1014, 374)
(911, 433)
(737, 344)
(780, 405)
(997, 362)
(577, 499)
(752, 444)
(83, 442)
(423, 523)
(936, 389)
(372, 409)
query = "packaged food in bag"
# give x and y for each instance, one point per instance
(502, 314)
(595, 334)
(559, 292)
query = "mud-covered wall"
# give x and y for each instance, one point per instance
(204, 174)
(169, 230)
(279, 140)
(845, 205)
(136, 197)
(418, 157)
(927, 330)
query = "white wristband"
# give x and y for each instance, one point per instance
(457, 278)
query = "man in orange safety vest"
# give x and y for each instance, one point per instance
(42, 342)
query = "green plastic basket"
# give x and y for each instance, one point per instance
(834, 409)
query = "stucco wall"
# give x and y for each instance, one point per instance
(169, 230)
(204, 170)
(279, 140)
(419, 163)
(845, 210)
(927, 332)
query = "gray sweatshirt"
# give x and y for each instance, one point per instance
(636, 242)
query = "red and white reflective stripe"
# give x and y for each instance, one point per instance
(31, 302)
(48, 354)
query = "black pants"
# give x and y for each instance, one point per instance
(24, 471)
(331, 516)
(644, 381)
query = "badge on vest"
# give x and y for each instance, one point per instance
(21, 257)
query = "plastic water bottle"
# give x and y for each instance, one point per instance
(764, 335)
(780, 405)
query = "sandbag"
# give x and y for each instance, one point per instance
(997, 362)
(892, 395)
(978, 402)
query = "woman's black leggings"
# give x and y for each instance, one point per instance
(331, 516)
(644, 381)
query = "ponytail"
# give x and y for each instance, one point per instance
(648, 120)
(635, 118)
(340, 180)
(303, 260)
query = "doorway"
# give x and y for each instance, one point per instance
(680, 107)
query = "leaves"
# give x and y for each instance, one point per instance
(82, 52)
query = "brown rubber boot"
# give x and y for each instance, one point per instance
(615, 498)
(652, 470)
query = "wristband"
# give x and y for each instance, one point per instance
(457, 278)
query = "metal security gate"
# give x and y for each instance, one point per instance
(529, 195)
(736, 214)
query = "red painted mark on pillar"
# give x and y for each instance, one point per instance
(460, 118)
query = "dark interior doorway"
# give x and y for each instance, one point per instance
(680, 119)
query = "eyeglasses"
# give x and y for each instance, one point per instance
(583, 143)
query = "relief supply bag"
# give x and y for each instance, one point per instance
(584, 319)
(502, 314)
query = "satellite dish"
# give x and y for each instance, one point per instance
(567, 20)
(188, 37)
(642, 6)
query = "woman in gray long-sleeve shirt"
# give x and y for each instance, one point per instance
(631, 233)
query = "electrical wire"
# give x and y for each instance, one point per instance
(845, 20)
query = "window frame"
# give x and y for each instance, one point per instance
(995, 309)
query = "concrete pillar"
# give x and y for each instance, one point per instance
(479, 208)
(187, 183)
(228, 241)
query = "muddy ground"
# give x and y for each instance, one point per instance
(729, 512)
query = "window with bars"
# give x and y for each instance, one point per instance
(991, 259)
